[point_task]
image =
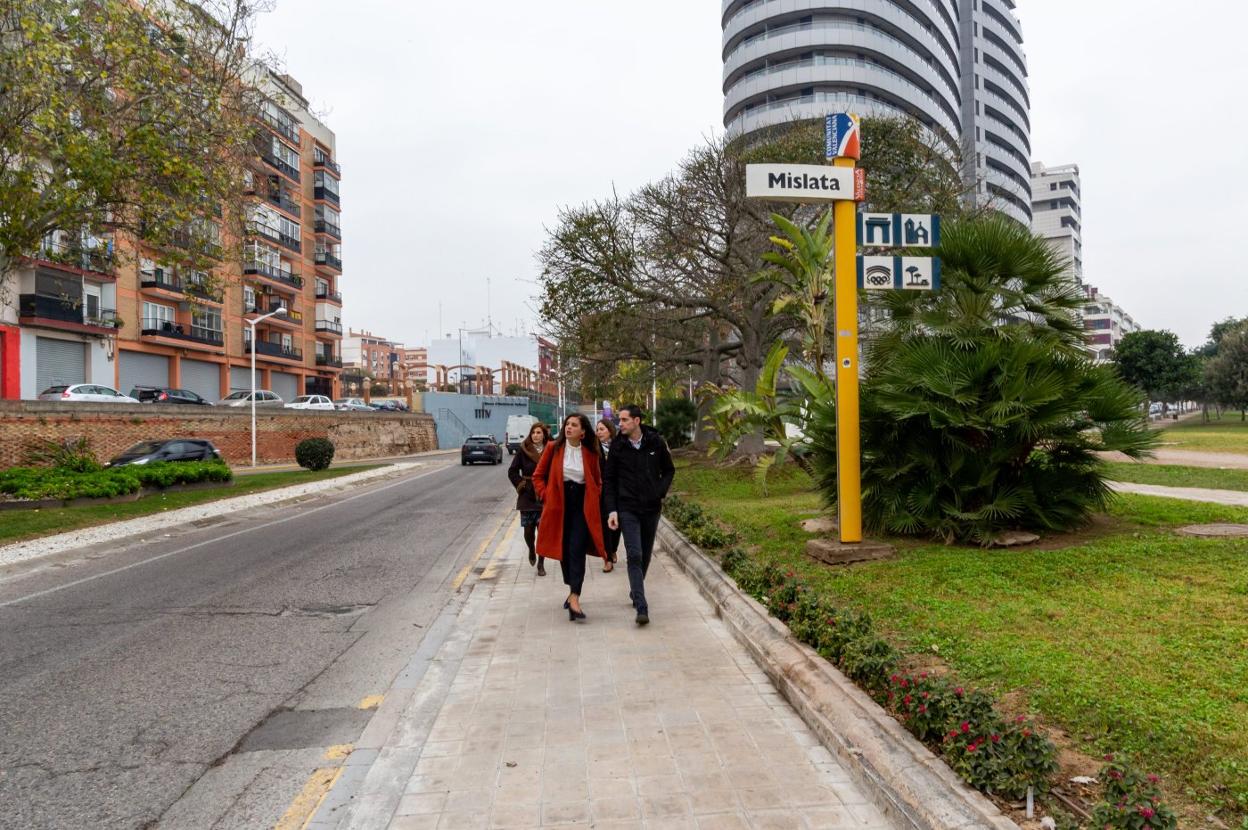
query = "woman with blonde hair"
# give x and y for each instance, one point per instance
(568, 481)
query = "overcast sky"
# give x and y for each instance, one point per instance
(462, 132)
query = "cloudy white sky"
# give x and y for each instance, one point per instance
(461, 132)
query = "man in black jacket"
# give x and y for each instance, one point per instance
(639, 473)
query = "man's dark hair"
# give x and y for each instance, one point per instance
(634, 411)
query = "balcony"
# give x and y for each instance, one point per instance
(329, 360)
(325, 194)
(281, 276)
(285, 240)
(328, 260)
(286, 203)
(203, 292)
(79, 257)
(326, 227)
(62, 313)
(161, 282)
(153, 327)
(289, 317)
(325, 162)
(277, 350)
(286, 129)
(280, 166)
(330, 296)
(329, 327)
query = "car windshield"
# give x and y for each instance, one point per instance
(236, 396)
(51, 390)
(303, 399)
(144, 448)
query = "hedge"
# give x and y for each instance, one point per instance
(37, 483)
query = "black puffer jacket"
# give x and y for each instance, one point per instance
(638, 479)
(520, 474)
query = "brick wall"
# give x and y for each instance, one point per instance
(112, 428)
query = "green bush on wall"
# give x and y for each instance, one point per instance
(314, 453)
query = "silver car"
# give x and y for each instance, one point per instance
(352, 405)
(89, 392)
(243, 398)
(311, 402)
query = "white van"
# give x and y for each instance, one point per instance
(518, 427)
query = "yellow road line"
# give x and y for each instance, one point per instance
(339, 751)
(491, 570)
(304, 807)
(371, 702)
(463, 574)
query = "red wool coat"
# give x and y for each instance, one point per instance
(548, 482)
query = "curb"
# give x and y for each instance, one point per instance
(905, 779)
(19, 552)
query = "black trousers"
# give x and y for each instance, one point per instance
(576, 539)
(639, 530)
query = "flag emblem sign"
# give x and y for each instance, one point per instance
(842, 136)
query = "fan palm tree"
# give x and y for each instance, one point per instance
(981, 410)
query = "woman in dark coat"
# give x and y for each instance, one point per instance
(610, 538)
(520, 474)
(568, 481)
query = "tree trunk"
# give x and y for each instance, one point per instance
(711, 367)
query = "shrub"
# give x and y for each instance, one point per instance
(674, 417)
(38, 483)
(1132, 801)
(314, 453)
(72, 454)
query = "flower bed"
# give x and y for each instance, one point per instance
(996, 755)
(30, 484)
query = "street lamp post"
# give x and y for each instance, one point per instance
(281, 309)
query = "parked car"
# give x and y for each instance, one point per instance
(88, 392)
(161, 394)
(353, 405)
(390, 406)
(178, 449)
(311, 402)
(243, 398)
(480, 448)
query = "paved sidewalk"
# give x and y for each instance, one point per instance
(1188, 458)
(601, 724)
(1236, 498)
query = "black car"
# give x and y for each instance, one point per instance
(178, 449)
(162, 394)
(481, 448)
(390, 406)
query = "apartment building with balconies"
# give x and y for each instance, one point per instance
(955, 66)
(1105, 323)
(1057, 212)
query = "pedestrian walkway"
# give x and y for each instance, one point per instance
(601, 724)
(1235, 498)
(1187, 458)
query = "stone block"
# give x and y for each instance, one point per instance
(835, 552)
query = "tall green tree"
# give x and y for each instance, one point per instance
(1154, 362)
(116, 115)
(980, 409)
(1226, 374)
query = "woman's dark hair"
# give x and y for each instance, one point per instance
(589, 439)
(545, 431)
(611, 427)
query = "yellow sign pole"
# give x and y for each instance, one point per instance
(845, 298)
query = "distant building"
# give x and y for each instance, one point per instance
(1105, 323)
(1057, 211)
(483, 363)
(384, 361)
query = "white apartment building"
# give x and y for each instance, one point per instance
(1105, 323)
(1057, 211)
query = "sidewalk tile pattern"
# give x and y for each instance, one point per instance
(607, 725)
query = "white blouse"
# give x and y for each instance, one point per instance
(573, 464)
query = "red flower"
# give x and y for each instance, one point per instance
(1147, 812)
(1020, 719)
(966, 727)
(922, 708)
(907, 700)
(1026, 733)
(1153, 779)
(996, 739)
(1109, 758)
(971, 747)
(958, 691)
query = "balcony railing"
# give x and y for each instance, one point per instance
(326, 294)
(329, 360)
(65, 310)
(282, 275)
(285, 203)
(77, 255)
(283, 239)
(330, 326)
(325, 226)
(203, 291)
(165, 282)
(283, 128)
(282, 167)
(326, 194)
(328, 259)
(264, 347)
(319, 160)
(264, 306)
(154, 327)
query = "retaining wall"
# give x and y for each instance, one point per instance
(112, 428)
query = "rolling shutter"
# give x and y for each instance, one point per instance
(141, 369)
(59, 362)
(286, 385)
(202, 378)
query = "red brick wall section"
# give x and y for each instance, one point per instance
(112, 428)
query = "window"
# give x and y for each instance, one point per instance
(325, 213)
(156, 316)
(321, 179)
(285, 154)
(207, 319)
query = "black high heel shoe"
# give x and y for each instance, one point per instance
(573, 616)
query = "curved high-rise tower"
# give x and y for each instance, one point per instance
(957, 66)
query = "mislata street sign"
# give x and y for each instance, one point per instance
(799, 182)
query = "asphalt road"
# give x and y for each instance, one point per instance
(191, 680)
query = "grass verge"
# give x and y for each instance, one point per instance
(19, 525)
(1228, 434)
(1177, 476)
(1128, 637)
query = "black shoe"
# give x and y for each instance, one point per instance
(541, 566)
(573, 616)
(643, 618)
(532, 558)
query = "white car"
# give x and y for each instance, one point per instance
(88, 392)
(352, 405)
(243, 398)
(311, 402)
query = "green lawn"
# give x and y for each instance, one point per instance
(1130, 637)
(1176, 476)
(16, 525)
(1229, 434)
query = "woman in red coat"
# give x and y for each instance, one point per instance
(568, 481)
